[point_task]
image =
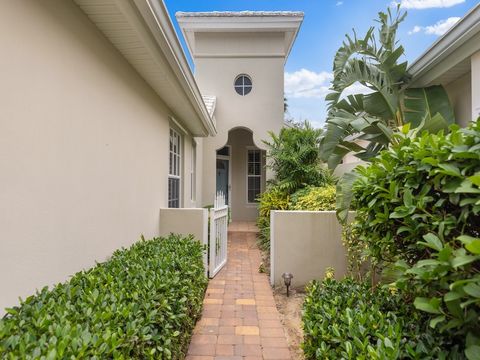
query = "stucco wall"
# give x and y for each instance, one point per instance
(305, 243)
(260, 111)
(460, 95)
(83, 147)
(186, 222)
(475, 66)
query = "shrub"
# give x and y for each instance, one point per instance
(348, 320)
(294, 158)
(142, 304)
(418, 207)
(272, 199)
(314, 199)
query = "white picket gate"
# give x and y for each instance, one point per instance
(218, 235)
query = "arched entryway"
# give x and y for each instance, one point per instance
(240, 173)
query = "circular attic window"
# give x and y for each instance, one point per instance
(243, 84)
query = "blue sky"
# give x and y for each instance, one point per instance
(308, 70)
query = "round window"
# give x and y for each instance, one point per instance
(243, 84)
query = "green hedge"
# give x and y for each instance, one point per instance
(418, 218)
(349, 320)
(141, 304)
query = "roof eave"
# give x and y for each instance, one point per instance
(459, 34)
(179, 61)
(239, 21)
(142, 32)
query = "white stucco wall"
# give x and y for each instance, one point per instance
(460, 95)
(83, 148)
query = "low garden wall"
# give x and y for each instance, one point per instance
(305, 243)
(192, 221)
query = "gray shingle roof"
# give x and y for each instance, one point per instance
(246, 13)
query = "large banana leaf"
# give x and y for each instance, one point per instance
(345, 194)
(344, 129)
(428, 107)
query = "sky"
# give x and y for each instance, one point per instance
(308, 71)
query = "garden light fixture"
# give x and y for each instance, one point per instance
(287, 279)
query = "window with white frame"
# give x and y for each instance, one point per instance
(254, 175)
(174, 172)
(193, 173)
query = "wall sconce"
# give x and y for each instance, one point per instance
(287, 279)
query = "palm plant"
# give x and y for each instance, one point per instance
(372, 118)
(294, 158)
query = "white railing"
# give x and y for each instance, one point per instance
(218, 234)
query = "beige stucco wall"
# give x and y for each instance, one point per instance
(460, 95)
(83, 147)
(186, 222)
(305, 243)
(475, 66)
(223, 57)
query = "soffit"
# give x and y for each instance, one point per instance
(135, 32)
(287, 23)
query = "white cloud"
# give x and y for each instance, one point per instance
(339, 3)
(307, 84)
(428, 4)
(305, 91)
(439, 28)
(356, 88)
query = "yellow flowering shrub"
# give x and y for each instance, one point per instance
(314, 199)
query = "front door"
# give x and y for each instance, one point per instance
(222, 177)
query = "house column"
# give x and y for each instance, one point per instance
(475, 65)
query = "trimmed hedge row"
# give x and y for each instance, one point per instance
(350, 320)
(142, 303)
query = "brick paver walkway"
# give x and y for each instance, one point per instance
(240, 320)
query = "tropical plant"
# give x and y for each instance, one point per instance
(294, 158)
(272, 199)
(140, 304)
(364, 123)
(418, 219)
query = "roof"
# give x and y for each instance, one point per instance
(448, 57)
(246, 13)
(143, 33)
(210, 102)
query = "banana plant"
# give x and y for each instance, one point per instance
(365, 123)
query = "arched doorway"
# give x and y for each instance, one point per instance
(240, 174)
